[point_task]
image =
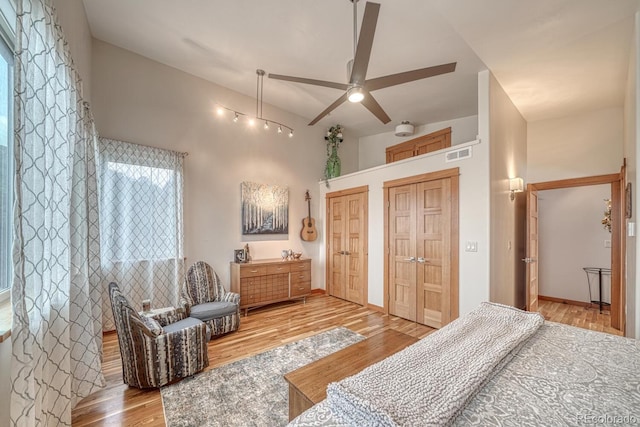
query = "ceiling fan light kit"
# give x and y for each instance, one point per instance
(355, 94)
(359, 87)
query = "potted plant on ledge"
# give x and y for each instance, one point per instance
(333, 138)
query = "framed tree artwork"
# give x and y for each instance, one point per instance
(265, 209)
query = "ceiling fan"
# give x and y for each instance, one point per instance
(359, 88)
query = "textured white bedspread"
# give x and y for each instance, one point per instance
(430, 382)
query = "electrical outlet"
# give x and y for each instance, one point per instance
(471, 246)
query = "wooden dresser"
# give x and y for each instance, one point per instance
(266, 281)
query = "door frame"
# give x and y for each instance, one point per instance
(454, 174)
(365, 256)
(618, 236)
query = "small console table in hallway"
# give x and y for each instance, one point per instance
(600, 272)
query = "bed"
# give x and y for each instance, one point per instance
(495, 366)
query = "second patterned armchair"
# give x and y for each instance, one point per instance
(204, 298)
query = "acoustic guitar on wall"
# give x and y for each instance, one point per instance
(308, 232)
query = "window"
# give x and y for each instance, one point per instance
(6, 168)
(140, 223)
(141, 203)
(140, 215)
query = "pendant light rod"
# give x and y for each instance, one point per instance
(259, 87)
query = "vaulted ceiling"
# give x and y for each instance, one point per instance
(553, 57)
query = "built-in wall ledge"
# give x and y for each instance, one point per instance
(441, 152)
(5, 319)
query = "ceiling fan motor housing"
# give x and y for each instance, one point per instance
(404, 129)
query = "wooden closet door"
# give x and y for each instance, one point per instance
(355, 241)
(402, 244)
(336, 250)
(433, 252)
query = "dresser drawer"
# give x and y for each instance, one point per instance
(299, 289)
(250, 271)
(277, 269)
(300, 276)
(301, 266)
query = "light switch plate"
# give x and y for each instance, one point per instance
(631, 229)
(607, 243)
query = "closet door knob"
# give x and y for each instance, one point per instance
(410, 259)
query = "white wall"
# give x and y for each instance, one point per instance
(372, 148)
(582, 145)
(571, 237)
(508, 148)
(142, 101)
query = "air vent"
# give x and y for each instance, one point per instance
(455, 155)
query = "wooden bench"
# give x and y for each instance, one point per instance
(308, 385)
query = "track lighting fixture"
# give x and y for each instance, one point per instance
(258, 117)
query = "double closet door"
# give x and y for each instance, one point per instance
(422, 244)
(347, 244)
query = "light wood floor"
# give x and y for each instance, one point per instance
(263, 329)
(267, 328)
(582, 317)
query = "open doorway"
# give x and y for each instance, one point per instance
(575, 256)
(564, 236)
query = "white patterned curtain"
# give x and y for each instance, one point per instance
(141, 223)
(56, 297)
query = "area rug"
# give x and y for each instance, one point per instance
(251, 391)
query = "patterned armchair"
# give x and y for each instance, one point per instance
(157, 350)
(204, 298)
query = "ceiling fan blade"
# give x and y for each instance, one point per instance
(408, 76)
(365, 41)
(324, 83)
(329, 109)
(373, 106)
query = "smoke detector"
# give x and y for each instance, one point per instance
(404, 129)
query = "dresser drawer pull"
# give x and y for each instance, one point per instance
(301, 288)
(253, 271)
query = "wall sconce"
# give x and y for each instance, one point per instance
(516, 185)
